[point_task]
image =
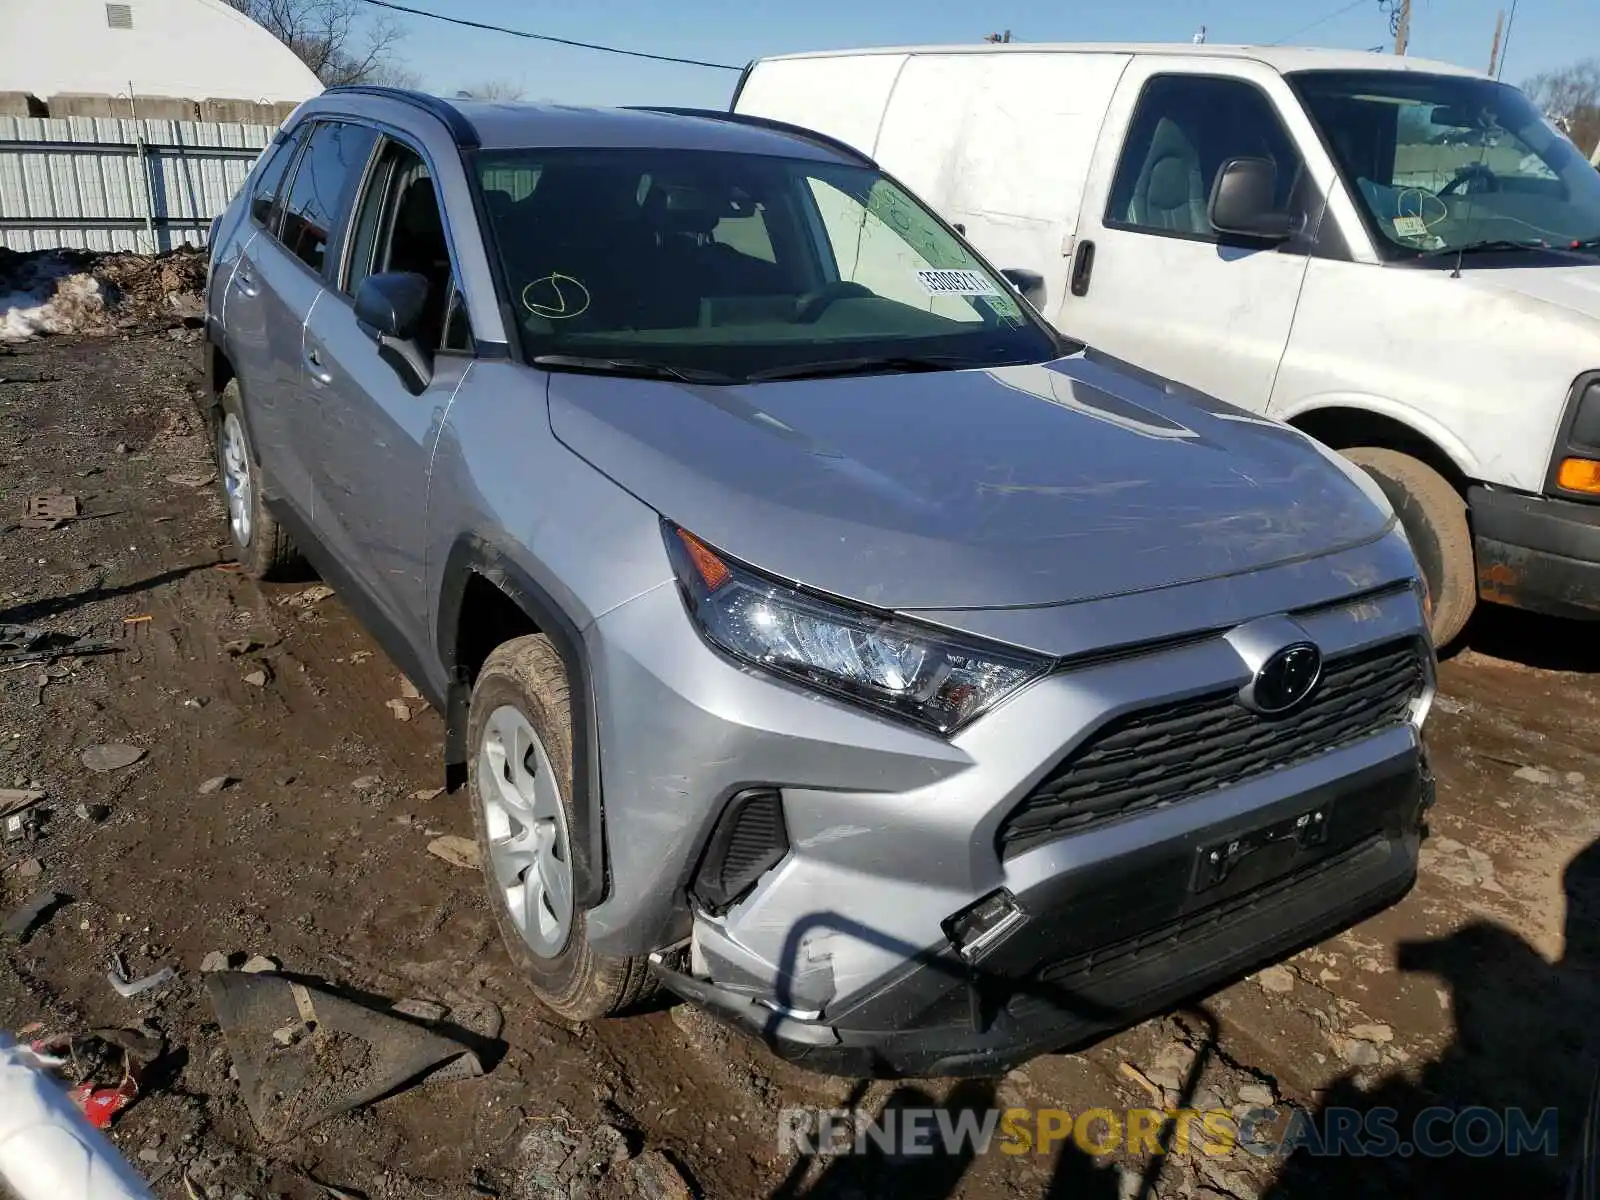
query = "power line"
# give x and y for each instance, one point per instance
(545, 37)
(1323, 20)
(1507, 42)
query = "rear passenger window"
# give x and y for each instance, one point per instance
(269, 182)
(1184, 128)
(334, 159)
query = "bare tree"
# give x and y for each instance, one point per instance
(334, 38)
(492, 89)
(1571, 98)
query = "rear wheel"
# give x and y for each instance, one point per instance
(520, 775)
(1435, 519)
(260, 544)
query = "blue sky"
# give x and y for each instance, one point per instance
(1546, 34)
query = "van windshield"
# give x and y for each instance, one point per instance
(1444, 163)
(725, 266)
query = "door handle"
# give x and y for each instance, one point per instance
(1082, 268)
(319, 373)
(244, 281)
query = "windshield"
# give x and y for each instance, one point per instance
(1441, 162)
(724, 266)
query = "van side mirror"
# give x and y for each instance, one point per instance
(1029, 283)
(389, 309)
(1242, 201)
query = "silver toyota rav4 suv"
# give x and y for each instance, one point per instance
(818, 636)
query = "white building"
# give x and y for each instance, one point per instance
(183, 49)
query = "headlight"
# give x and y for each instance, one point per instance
(904, 670)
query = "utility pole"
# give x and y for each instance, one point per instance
(1494, 49)
(1402, 28)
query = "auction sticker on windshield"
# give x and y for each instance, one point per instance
(938, 281)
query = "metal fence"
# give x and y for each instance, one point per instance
(110, 183)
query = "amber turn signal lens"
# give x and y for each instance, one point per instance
(1580, 475)
(712, 570)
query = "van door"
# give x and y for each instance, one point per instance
(1151, 281)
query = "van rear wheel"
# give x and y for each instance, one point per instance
(1435, 519)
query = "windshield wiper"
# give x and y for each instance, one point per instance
(1488, 246)
(884, 365)
(636, 368)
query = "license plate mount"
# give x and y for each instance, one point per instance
(1261, 853)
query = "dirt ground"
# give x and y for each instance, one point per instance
(1477, 990)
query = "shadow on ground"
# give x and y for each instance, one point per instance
(1524, 1046)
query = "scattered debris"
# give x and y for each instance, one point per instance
(92, 813)
(15, 800)
(1357, 1052)
(357, 657)
(49, 511)
(260, 964)
(348, 1055)
(241, 646)
(1279, 980)
(428, 793)
(457, 851)
(138, 619)
(1381, 1034)
(256, 679)
(1575, 778)
(1533, 775)
(26, 643)
(216, 784)
(400, 709)
(315, 594)
(129, 988)
(1157, 1096)
(1258, 1094)
(656, 1178)
(216, 960)
(365, 783)
(422, 1010)
(193, 479)
(38, 909)
(29, 868)
(111, 757)
(408, 690)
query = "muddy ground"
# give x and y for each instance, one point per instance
(1478, 989)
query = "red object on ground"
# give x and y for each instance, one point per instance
(101, 1105)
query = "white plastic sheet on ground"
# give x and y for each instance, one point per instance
(48, 1151)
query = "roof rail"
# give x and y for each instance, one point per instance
(465, 134)
(737, 118)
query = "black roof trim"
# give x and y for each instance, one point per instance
(737, 118)
(464, 132)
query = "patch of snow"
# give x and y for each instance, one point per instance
(48, 296)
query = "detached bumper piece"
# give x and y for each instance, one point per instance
(1074, 958)
(1536, 553)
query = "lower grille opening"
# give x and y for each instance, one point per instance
(1167, 753)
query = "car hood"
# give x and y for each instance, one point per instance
(1567, 281)
(1010, 486)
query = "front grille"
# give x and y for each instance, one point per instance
(1164, 754)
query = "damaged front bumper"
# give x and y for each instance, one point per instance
(1086, 950)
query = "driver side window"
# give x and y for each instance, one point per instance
(399, 228)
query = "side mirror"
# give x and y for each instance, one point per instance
(389, 310)
(1029, 283)
(1242, 203)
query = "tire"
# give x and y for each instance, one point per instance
(527, 677)
(262, 547)
(1435, 519)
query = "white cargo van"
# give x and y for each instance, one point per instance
(1401, 258)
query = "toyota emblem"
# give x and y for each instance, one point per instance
(1285, 681)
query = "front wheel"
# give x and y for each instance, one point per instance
(520, 779)
(1435, 520)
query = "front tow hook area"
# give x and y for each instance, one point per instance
(746, 1013)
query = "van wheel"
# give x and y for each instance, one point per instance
(259, 543)
(1435, 519)
(519, 730)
